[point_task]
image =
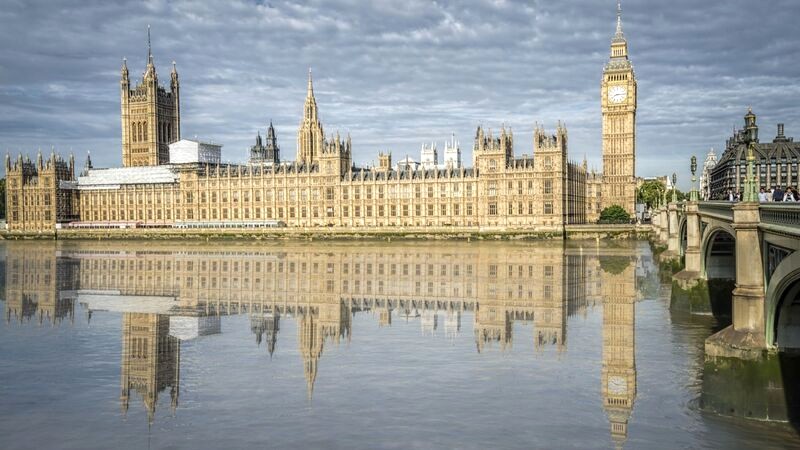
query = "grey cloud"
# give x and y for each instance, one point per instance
(396, 74)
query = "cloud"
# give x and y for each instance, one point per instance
(397, 74)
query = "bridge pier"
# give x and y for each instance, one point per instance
(673, 238)
(664, 220)
(689, 286)
(746, 337)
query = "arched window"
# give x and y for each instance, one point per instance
(144, 124)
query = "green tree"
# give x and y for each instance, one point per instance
(615, 214)
(650, 193)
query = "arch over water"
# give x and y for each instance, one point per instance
(718, 252)
(718, 264)
(783, 305)
(683, 236)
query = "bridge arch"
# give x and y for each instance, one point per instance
(718, 268)
(718, 251)
(783, 305)
(682, 235)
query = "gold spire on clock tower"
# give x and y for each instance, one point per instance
(618, 102)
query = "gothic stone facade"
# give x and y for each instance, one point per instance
(323, 188)
(151, 117)
(40, 194)
(618, 100)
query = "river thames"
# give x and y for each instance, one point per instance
(362, 345)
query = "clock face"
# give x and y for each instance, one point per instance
(617, 385)
(617, 94)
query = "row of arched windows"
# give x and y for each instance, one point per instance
(165, 132)
(139, 132)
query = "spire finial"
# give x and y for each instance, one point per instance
(619, 17)
(149, 49)
(310, 84)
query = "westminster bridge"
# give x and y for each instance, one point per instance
(754, 248)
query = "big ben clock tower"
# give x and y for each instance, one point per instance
(618, 100)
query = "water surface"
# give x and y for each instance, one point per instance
(352, 345)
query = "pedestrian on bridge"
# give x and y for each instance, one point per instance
(790, 195)
(777, 196)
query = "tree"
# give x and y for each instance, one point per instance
(615, 214)
(650, 193)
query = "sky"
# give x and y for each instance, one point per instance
(397, 74)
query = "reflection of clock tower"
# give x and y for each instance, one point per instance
(618, 375)
(618, 100)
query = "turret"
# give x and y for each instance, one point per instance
(385, 161)
(176, 99)
(125, 80)
(87, 165)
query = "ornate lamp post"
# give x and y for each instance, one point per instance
(694, 194)
(674, 188)
(750, 183)
(664, 196)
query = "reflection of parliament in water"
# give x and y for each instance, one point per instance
(168, 294)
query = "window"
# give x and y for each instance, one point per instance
(548, 186)
(492, 209)
(548, 207)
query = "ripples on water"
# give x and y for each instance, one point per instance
(342, 345)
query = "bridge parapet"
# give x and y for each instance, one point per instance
(717, 210)
(781, 215)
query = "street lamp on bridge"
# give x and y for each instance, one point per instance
(693, 195)
(750, 186)
(674, 187)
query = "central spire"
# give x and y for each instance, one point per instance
(310, 85)
(149, 48)
(619, 19)
(310, 136)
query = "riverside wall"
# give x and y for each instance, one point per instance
(570, 232)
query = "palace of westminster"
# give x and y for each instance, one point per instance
(167, 181)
